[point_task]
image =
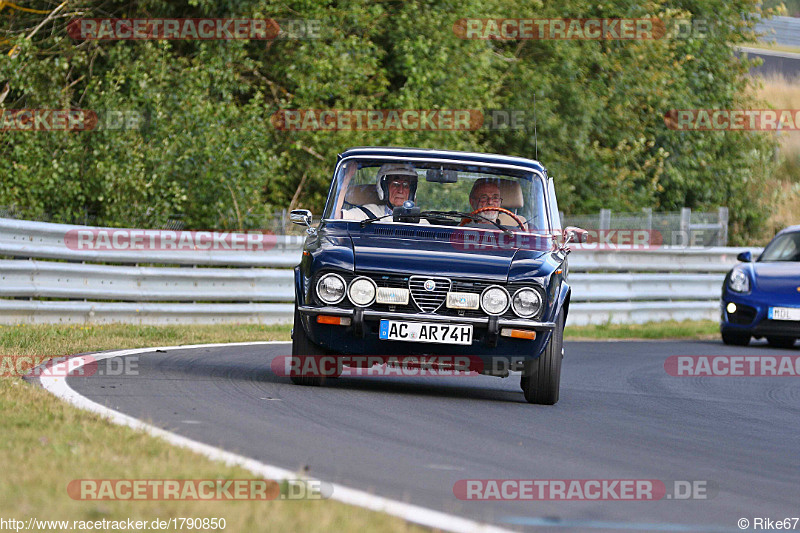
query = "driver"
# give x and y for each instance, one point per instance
(394, 184)
(486, 193)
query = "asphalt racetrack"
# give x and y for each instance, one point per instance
(620, 416)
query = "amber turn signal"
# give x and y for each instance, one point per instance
(518, 333)
(333, 320)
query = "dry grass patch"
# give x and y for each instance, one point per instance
(784, 186)
(46, 443)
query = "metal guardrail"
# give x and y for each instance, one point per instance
(676, 228)
(47, 279)
(46, 282)
(782, 30)
(636, 287)
(44, 240)
(666, 259)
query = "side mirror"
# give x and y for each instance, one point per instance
(575, 234)
(745, 257)
(301, 217)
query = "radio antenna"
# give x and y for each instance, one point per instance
(535, 136)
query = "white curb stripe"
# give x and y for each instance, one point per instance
(412, 513)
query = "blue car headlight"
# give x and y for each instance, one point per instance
(330, 289)
(739, 282)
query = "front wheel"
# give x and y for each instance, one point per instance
(735, 339)
(302, 347)
(541, 378)
(780, 342)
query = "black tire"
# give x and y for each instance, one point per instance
(302, 346)
(780, 342)
(735, 339)
(541, 378)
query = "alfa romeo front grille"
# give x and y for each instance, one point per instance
(429, 293)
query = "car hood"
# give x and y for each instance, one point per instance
(777, 276)
(435, 252)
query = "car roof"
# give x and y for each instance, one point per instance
(477, 157)
(789, 229)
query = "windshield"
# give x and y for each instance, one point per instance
(370, 188)
(784, 247)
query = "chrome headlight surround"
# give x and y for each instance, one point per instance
(362, 281)
(487, 293)
(319, 293)
(519, 294)
(739, 281)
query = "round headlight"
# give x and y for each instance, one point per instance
(494, 300)
(362, 291)
(526, 302)
(739, 282)
(330, 288)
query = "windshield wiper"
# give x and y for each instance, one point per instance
(373, 219)
(470, 216)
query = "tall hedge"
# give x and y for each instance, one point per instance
(209, 153)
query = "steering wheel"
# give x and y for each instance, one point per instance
(519, 222)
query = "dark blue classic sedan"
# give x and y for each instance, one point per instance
(762, 298)
(435, 253)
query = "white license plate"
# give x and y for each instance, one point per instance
(784, 313)
(393, 330)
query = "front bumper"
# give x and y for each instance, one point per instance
(752, 315)
(425, 317)
(361, 336)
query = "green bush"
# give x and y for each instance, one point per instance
(209, 154)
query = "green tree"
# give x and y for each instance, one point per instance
(209, 154)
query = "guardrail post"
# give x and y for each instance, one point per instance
(685, 228)
(605, 219)
(722, 236)
(648, 213)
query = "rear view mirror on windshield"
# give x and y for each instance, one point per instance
(441, 175)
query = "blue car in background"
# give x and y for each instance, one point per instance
(761, 298)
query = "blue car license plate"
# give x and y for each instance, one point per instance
(784, 313)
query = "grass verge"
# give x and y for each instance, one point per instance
(46, 443)
(687, 329)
